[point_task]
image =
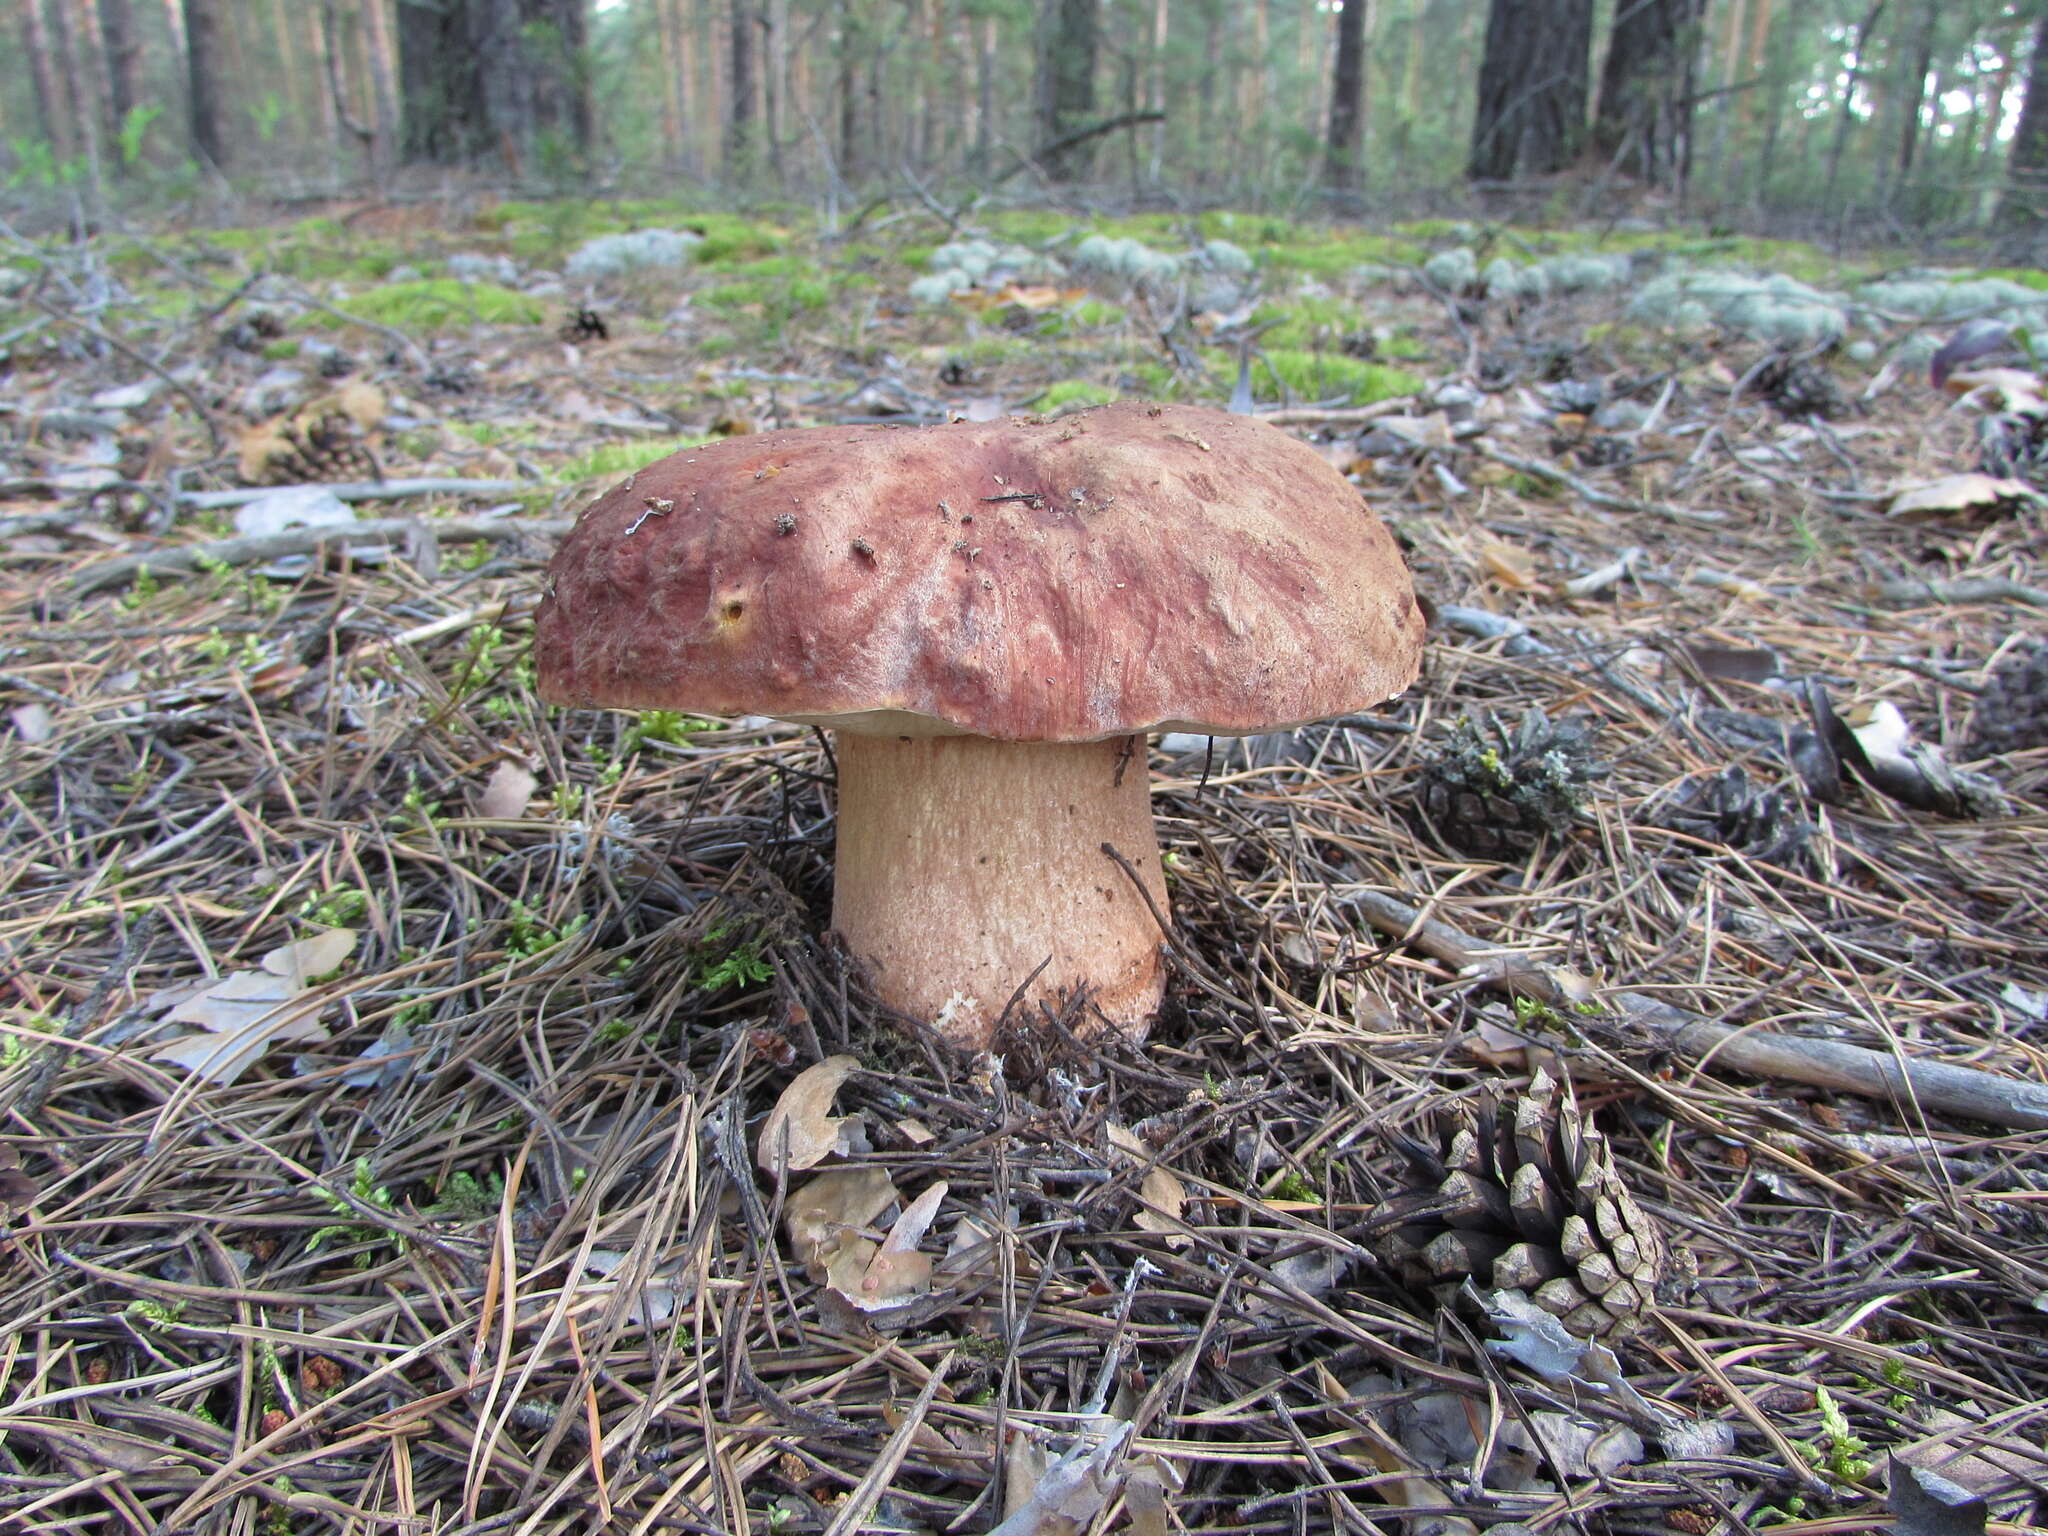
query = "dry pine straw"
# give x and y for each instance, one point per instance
(208, 1320)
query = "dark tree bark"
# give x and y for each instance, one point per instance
(205, 61)
(1647, 88)
(480, 78)
(2024, 207)
(124, 58)
(1532, 88)
(739, 117)
(53, 104)
(1344, 154)
(1919, 62)
(1066, 86)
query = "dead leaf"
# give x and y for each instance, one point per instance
(244, 1013)
(504, 797)
(1165, 1199)
(33, 723)
(1969, 493)
(17, 1190)
(802, 1124)
(896, 1273)
(2017, 389)
(1508, 564)
(842, 1199)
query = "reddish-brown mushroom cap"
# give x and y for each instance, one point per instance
(940, 592)
(1128, 569)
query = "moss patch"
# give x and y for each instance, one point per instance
(1072, 395)
(614, 461)
(1328, 376)
(442, 303)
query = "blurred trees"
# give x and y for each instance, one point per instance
(1814, 113)
(1531, 114)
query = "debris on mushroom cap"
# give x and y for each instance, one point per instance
(1126, 569)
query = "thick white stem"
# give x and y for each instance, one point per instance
(964, 864)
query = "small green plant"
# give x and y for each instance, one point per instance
(342, 907)
(1842, 1455)
(135, 129)
(529, 936)
(723, 964)
(465, 1197)
(364, 1187)
(567, 799)
(157, 1316)
(666, 726)
(141, 591)
(1294, 1185)
(414, 808)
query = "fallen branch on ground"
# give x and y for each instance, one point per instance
(305, 541)
(362, 490)
(1931, 1085)
(1971, 589)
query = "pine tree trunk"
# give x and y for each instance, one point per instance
(203, 62)
(1919, 62)
(1646, 89)
(53, 101)
(2024, 207)
(1532, 88)
(124, 59)
(491, 78)
(1859, 50)
(739, 117)
(1066, 93)
(1344, 154)
(75, 31)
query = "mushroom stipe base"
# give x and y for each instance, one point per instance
(963, 863)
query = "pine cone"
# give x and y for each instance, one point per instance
(2012, 711)
(325, 449)
(1524, 1197)
(1496, 795)
(1729, 808)
(1798, 388)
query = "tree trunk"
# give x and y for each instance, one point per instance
(76, 36)
(1920, 63)
(739, 117)
(1066, 87)
(1344, 155)
(53, 101)
(203, 61)
(1532, 88)
(1859, 49)
(1646, 89)
(124, 59)
(2024, 207)
(493, 78)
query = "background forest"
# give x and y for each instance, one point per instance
(1884, 116)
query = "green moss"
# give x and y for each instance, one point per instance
(1306, 322)
(1072, 395)
(1155, 380)
(281, 350)
(729, 237)
(993, 350)
(1328, 376)
(614, 461)
(441, 303)
(2026, 277)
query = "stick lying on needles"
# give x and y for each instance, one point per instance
(1932, 1085)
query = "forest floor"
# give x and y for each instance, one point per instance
(385, 1053)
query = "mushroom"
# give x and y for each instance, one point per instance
(991, 616)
